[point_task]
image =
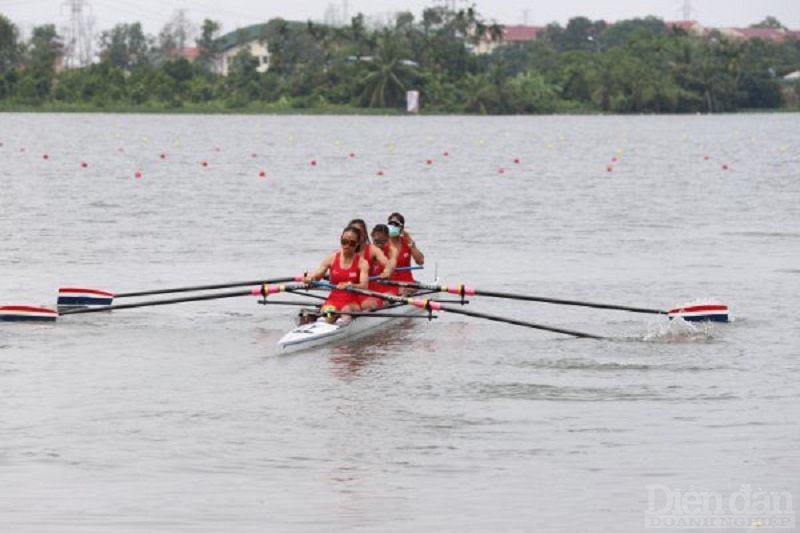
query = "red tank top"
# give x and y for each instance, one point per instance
(403, 260)
(340, 274)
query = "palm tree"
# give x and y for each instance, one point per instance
(389, 74)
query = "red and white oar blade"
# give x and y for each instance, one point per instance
(72, 297)
(701, 312)
(27, 313)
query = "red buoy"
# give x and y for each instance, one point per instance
(137, 175)
(262, 174)
(429, 161)
(84, 164)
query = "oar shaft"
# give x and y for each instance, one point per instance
(512, 296)
(169, 301)
(519, 322)
(436, 306)
(468, 291)
(207, 287)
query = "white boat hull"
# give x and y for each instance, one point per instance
(321, 332)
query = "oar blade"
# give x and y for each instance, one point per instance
(27, 313)
(701, 312)
(78, 297)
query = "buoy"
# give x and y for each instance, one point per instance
(446, 154)
(429, 161)
(262, 174)
(609, 168)
(351, 155)
(45, 156)
(613, 159)
(501, 170)
(516, 160)
(163, 155)
(204, 163)
(724, 167)
(706, 157)
(254, 155)
(84, 164)
(379, 173)
(313, 162)
(137, 175)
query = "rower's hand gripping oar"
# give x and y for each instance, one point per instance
(430, 306)
(691, 312)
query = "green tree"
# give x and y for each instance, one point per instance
(207, 44)
(9, 47)
(389, 74)
(125, 46)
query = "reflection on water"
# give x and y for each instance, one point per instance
(353, 358)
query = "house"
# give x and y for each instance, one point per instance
(188, 53)
(777, 35)
(249, 38)
(511, 35)
(691, 27)
(522, 34)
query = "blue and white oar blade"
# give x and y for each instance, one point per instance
(701, 312)
(72, 297)
(27, 313)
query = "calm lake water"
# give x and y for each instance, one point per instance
(186, 417)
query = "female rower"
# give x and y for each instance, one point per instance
(379, 264)
(406, 248)
(346, 268)
(380, 240)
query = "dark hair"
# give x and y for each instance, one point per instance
(380, 228)
(397, 216)
(354, 229)
(360, 224)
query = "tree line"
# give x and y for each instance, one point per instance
(633, 66)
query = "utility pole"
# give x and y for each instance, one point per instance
(687, 10)
(78, 51)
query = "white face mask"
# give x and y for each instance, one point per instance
(394, 231)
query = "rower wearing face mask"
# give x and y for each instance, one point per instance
(406, 246)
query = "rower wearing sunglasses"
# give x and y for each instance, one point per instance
(406, 248)
(346, 268)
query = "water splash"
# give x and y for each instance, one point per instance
(678, 330)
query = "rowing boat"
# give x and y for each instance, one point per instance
(322, 332)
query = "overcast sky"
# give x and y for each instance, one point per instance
(235, 13)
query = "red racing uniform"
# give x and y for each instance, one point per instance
(338, 298)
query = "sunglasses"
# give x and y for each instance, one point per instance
(395, 223)
(349, 242)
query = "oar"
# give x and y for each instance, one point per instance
(80, 297)
(262, 291)
(75, 296)
(430, 305)
(695, 312)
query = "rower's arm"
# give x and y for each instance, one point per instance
(321, 271)
(363, 274)
(416, 253)
(388, 262)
